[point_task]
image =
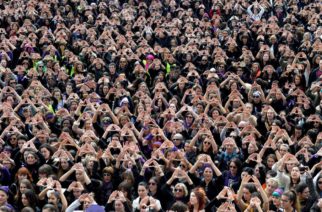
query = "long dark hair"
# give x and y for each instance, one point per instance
(31, 197)
(291, 195)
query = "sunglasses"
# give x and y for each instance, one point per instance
(178, 190)
(206, 142)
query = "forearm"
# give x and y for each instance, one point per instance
(66, 175)
(72, 207)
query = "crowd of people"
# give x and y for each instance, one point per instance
(132, 105)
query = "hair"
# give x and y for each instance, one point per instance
(201, 197)
(250, 187)
(5, 209)
(179, 207)
(60, 171)
(293, 185)
(184, 187)
(237, 162)
(31, 197)
(50, 208)
(108, 169)
(17, 197)
(317, 184)
(128, 174)
(144, 184)
(291, 195)
(27, 209)
(300, 187)
(48, 147)
(274, 181)
(46, 169)
(127, 187)
(272, 173)
(273, 156)
(24, 171)
(249, 170)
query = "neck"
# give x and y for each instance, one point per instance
(196, 207)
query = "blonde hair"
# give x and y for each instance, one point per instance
(184, 187)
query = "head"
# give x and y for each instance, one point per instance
(303, 191)
(271, 186)
(247, 191)
(235, 166)
(23, 173)
(3, 196)
(180, 191)
(153, 184)
(29, 198)
(289, 200)
(198, 197)
(143, 190)
(108, 173)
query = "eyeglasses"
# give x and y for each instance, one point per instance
(178, 190)
(152, 183)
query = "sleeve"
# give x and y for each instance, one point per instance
(73, 206)
(283, 180)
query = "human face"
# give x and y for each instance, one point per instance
(270, 188)
(251, 149)
(193, 199)
(229, 147)
(107, 177)
(233, 168)
(206, 144)
(295, 173)
(52, 199)
(118, 205)
(31, 159)
(142, 191)
(152, 186)
(276, 201)
(24, 200)
(286, 203)
(45, 152)
(270, 114)
(178, 192)
(87, 202)
(77, 192)
(79, 175)
(246, 194)
(3, 198)
(270, 162)
(23, 187)
(306, 193)
(22, 176)
(208, 173)
(13, 140)
(64, 164)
